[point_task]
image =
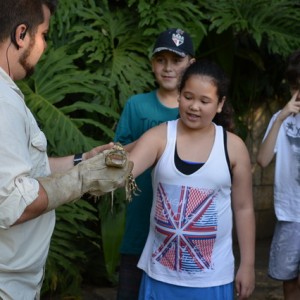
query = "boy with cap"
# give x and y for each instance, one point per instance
(172, 53)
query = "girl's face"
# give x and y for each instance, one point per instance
(198, 102)
(167, 68)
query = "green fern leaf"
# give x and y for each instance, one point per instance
(56, 77)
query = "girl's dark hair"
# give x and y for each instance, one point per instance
(16, 12)
(221, 81)
(292, 73)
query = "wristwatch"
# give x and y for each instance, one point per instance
(77, 158)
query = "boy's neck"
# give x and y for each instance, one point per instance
(168, 98)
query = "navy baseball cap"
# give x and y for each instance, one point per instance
(174, 40)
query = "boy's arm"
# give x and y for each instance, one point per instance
(124, 132)
(266, 150)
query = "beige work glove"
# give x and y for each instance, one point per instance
(98, 175)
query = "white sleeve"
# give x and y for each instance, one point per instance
(17, 188)
(269, 128)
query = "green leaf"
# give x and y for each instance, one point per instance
(112, 229)
(55, 78)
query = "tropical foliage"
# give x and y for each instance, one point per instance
(98, 55)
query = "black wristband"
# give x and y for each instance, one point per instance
(77, 158)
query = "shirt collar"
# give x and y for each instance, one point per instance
(6, 78)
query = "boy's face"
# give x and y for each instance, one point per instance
(167, 68)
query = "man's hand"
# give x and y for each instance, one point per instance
(91, 176)
(97, 150)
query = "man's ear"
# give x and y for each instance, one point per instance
(18, 35)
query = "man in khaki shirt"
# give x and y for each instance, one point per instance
(30, 186)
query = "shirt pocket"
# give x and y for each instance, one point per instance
(39, 142)
(38, 155)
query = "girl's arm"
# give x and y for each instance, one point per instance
(242, 203)
(148, 148)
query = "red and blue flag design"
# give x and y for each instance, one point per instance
(186, 227)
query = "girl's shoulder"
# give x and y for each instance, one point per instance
(234, 138)
(237, 148)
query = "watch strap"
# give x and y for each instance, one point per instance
(77, 158)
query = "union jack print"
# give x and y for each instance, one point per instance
(186, 227)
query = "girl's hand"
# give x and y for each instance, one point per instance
(244, 282)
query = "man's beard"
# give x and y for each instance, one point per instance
(23, 60)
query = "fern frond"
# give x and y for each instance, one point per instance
(158, 15)
(260, 19)
(115, 45)
(66, 258)
(55, 78)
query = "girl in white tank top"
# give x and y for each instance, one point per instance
(200, 172)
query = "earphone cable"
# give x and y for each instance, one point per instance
(8, 66)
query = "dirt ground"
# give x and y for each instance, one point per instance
(266, 288)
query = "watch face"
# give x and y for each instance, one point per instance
(77, 158)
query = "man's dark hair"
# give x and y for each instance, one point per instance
(52, 4)
(16, 12)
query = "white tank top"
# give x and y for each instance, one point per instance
(190, 238)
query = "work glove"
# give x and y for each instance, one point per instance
(97, 176)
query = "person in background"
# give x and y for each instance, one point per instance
(31, 184)
(172, 53)
(283, 140)
(200, 172)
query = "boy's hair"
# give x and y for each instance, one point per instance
(16, 12)
(221, 82)
(292, 73)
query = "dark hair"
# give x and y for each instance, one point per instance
(292, 73)
(16, 12)
(220, 80)
(51, 4)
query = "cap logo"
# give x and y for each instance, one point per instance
(178, 39)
